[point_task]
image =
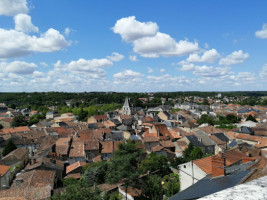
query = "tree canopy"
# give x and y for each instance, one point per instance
(9, 147)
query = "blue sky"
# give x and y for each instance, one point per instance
(132, 46)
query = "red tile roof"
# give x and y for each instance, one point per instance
(204, 164)
(74, 166)
(77, 149)
(14, 130)
(150, 139)
(3, 169)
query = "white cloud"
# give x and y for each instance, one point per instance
(13, 7)
(115, 57)
(234, 58)
(18, 67)
(209, 56)
(162, 70)
(263, 72)
(44, 64)
(67, 31)
(133, 58)
(206, 71)
(127, 74)
(150, 70)
(38, 74)
(149, 42)
(131, 30)
(23, 23)
(262, 33)
(15, 43)
(163, 45)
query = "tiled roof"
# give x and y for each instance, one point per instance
(100, 117)
(175, 134)
(147, 124)
(209, 129)
(216, 140)
(91, 145)
(162, 129)
(157, 148)
(167, 143)
(107, 147)
(109, 123)
(75, 176)
(77, 149)
(9, 120)
(182, 144)
(3, 169)
(35, 178)
(150, 139)
(18, 153)
(14, 130)
(148, 119)
(204, 164)
(74, 166)
(230, 134)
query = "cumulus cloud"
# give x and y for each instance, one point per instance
(38, 74)
(206, 71)
(13, 7)
(133, 58)
(131, 29)
(262, 33)
(115, 57)
(263, 72)
(149, 42)
(234, 58)
(127, 74)
(18, 67)
(16, 43)
(162, 70)
(23, 23)
(209, 56)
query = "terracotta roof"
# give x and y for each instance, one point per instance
(18, 153)
(151, 135)
(125, 117)
(167, 143)
(233, 156)
(97, 158)
(75, 176)
(14, 130)
(90, 135)
(261, 141)
(204, 164)
(150, 139)
(107, 147)
(209, 129)
(100, 117)
(77, 149)
(162, 129)
(35, 178)
(91, 145)
(175, 134)
(182, 144)
(63, 131)
(148, 119)
(74, 166)
(230, 134)
(157, 148)
(109, 123)
(3, 169)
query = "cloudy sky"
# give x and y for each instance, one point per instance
(137, 46)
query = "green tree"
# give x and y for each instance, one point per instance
(206, 119)
(187, 152)
(19, 121)
(9, 147)
(171, 184)
(1, 126)
(124, 164)
(251, 118)
(196, 153)
(152, 188)
(154, 162)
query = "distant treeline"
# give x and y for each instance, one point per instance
(37, 99)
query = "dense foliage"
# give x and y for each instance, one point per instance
(9, 147)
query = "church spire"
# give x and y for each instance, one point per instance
(126, 110)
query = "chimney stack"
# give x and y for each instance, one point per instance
(218, 166)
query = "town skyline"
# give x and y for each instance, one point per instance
(116, 46)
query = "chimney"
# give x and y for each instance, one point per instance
(218, 166)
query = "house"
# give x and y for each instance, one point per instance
(164, 115)
(208, 143)
(108, 147)
(5, 176)
(213, 166)
(77, 152)
(109, 124)
(63, 147)
(45, 163)
(6, 122)
(75, 168)
(221, 142)
(52, 115)
(194, 141)
(150, 141)
(132, 193)
(162, 131)
(97, 118)
(33, 185)
(92, 149)
(16, 159)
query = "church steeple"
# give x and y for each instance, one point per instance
(126, 109)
